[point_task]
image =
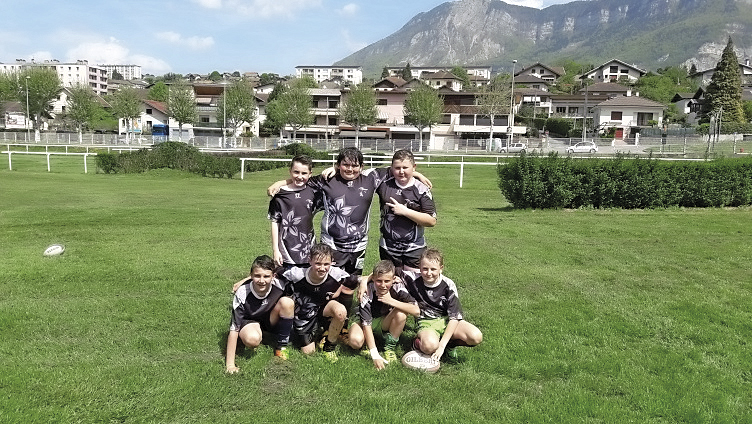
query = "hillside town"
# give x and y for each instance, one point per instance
(604, 100)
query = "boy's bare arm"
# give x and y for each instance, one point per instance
(378, 361)
(422, 179)
(421, 218)
(274, 188)
(232, 344)
(275, 244)
(408, 308)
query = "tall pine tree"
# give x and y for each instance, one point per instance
(725, 89)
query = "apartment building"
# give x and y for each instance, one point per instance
(352, 74)
(129, 72)
(71, 74)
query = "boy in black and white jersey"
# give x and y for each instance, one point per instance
(291, 213)
(261, 303)
(383, 310)
(407, 207)
(441, 325)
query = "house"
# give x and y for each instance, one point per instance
(608, 89)
(538, 100)
(152, 113)
(476, 73)
(614, 70)
(442, 79)
(544, 72)
(627, 114)
(14, 117)
(531, 81)
(745, 70)
(690, 104)
(351, 74)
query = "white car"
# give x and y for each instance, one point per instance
(583, 147)
(514, 148)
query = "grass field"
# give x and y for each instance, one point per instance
(595, 316)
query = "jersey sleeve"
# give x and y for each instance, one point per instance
(401, 294)
(377, 175)
(454, 309)
(342, 277)
(238, 301)
(364, 310)
(427, 204)
(275, 211)
(316, 182)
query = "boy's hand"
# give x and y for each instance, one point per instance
(329, 172)
(278, 258)
(436, 356)
(397, 207)
(274, 188)
(379, 363)
(423, 179)
(387, 299)
(232, 369)
(237, 285)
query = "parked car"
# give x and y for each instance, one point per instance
(583, 147)
(514, 148)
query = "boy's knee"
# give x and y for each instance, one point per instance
(286, 306)
(476, 338)
(355, 341)
(251, 340)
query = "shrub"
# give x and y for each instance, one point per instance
(563, 182)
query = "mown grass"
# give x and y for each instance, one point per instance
(588, 315)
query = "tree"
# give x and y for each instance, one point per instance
(215, 76)
(407, 73)
(182, 106)
(117, 75)
(126, 105)
(81, 107)
(159, 92)
(747, 107)
(423, 109)
(662, 87)
(359, 108)
(293, 107)
(237, 105)
(461, 73)
(43, 87)
(724, 93)
(495, 99)
(384, 73)
(268, 78)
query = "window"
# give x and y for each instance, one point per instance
(574, 109)
(333, 120)
(148, 111)
(615, 116)
(381, 102)
(613, 69)
(204, 119)
(561, 109)
(624, 71)
(333, 104)
(446, 119)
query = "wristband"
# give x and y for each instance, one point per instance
(375, 353)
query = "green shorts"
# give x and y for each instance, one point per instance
(436, 324)
(375, 324)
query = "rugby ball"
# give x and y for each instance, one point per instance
(418, 360)
(54, 250)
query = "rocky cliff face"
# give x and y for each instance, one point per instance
(648, 33)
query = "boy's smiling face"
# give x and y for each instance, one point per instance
(403, 171)
(262, 279)
(348, 169)
(320, 266)
(300, 174)
(383, 283)
(430, 270)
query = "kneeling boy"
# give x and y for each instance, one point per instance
(383, 309)
(441, 324)
(321, 292)
(259, 305)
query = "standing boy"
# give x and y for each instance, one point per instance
(259, 304)
(406, 208)
(441, 325)
(322, 292)
(383, 310)
(291, 213)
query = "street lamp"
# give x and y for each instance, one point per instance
(224, 110)
(511, 106)
(28, 135)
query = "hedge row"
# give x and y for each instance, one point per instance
(563, 182)
(181, 156)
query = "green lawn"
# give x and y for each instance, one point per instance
(588, 315)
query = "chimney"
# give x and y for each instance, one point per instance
(746, 61)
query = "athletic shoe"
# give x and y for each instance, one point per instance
(452, 355)
(281, 353)
(331, 356)
(390, 356)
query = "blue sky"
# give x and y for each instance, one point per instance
(200, 36)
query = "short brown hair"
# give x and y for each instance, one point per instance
(383, 267)
(320, 250)
(303, 160)
(433, 254)
(404, 154)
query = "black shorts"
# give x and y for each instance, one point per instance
(265, 324)
(310, 320)
(410, 259)
(350, 262)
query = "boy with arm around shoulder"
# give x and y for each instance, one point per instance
(260, 303)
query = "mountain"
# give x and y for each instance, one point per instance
(647, 33)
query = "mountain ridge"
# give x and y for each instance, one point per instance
(646, 33)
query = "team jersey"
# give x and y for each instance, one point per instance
(318, 294)
(247, 305)
(293, 211)
(371, 307)
(400, 234)
(347, 207)
(439, 300)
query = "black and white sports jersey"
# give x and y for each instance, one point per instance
(247, 305)
(320, 293)
(347, 207)
(293, 211)
(400, 234)
(439, 300)
(371, 307)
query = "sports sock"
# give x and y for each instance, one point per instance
(390, 342)
(329, 346)
(285, 327)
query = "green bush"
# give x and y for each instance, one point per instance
(563, 182)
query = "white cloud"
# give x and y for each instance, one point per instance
(349, 9)
(112, 52)
(194, 43)
(261, 8)
(40, 56)
(350, 44)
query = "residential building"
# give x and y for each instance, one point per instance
(129, 72)
(614, 70)
(351, 74)
(627, 113)
(531, 81)
(745, 70)
(479, 74)
(544, 72)
(442, 79)
(71, 74)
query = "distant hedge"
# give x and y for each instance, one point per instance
(563, 182)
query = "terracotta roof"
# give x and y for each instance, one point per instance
(160, 106)
(606, 87)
